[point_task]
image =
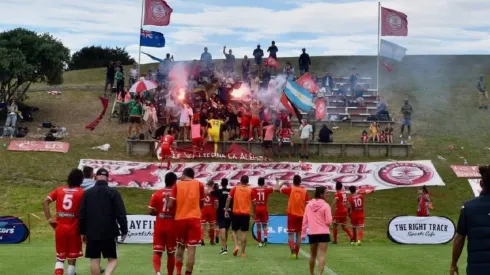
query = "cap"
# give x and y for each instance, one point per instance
(102, 172)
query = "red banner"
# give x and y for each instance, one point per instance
(271, 62)
(307, 82)
(157, 13)
(465, 171)
(93, 124)
(235, 152)
(320, 108)
(393, 23)
(39, 146)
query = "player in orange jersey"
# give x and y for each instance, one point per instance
(164, 236)
(68, 240)
(298, 197)
(340, 214)
(356, 209)
(165, 143)
(243, 201)
(188, 199)
(261, 196)
(208, 215)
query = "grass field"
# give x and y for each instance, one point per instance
(442, 92)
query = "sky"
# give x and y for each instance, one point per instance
(328, 27)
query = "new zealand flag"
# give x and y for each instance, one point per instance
(152, 39)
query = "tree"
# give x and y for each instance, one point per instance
(96, 57)
(27, 57)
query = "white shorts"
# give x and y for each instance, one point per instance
(184, 124)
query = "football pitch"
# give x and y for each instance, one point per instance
(342, 259)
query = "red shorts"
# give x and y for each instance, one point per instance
(164, 238)
(165, 152)
(422, 214)
(340, 218)
(188, 232)
(261, 216)
(295, 224)
(208, 215)
(197, 142)
(255, 122)
(357, 219)
(68, 242)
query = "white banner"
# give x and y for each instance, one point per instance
(140, 229)
(475, 186)
(421, 230)
(375, 175)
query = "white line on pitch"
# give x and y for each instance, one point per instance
(307, 255)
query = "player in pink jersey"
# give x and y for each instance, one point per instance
(67, 235)
(261, 196)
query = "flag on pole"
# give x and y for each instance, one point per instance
(393, 23)
(272, 62)
(307, 82)
(157, 13)
(391, 50)
(290, 107)
(152, 39)
(299, 96)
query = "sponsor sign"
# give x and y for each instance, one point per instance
(278, 226)
(465, 171)
(39, 146)
(370, 176)
(12, 230)
(421, 230)
(140, 229)
(475, 186)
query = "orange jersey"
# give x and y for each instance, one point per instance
(159, 202)
(261, 196)
(297, 200)
(68, 200)
(356, 202)
(242, 199)
(340, 202)
(188, 195)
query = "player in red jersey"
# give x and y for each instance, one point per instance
(67, 235)
(208, 213)
(261, 196)
(356, 209)
(424, 203)
(340, 214)
(164, 236)
(165, 143)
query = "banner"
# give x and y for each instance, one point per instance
(307, 82)
(475, 187)
(421, 230)
(12, 230)
(38, 146)
(157, 13)
(277, 226)
(299, 96)
(465, 171)
(393, 23)
(93, 124)
(235, 152)
(140, 229)
(371, 175)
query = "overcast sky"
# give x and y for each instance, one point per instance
(336, 27)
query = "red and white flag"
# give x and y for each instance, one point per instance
(320, 109)
(271, 62)
(385, 64)
(393, 23)
(307, 82)
(157, 13)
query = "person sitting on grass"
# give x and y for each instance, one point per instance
(364, 137)
(135, 113)
(389, 133)
(374, 132)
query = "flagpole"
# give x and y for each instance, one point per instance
(141, 27)
(377, 58)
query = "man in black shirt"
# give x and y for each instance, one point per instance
(273, 50)
(258, 54)
(223, 223)
(109, 78)
(304, 62)
(474, 224)
(102, 219)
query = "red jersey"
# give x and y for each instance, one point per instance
(423, 205)
(159, 202)
(167, 141)
(356, 202)
(340, 202)
(209, 202)
(68, 200)
(261, 196)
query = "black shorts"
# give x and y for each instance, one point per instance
(224, 223)
(108, 249)
(319, 238)
(174, 126)
(240, 222)
(135, 119)
(267, 144)
(109, 81)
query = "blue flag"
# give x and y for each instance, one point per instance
(299, 96)
(152, 39)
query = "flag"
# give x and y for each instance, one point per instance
(93, 124)
(271, 62)
(290, 107)
(320, 109)
(299, 96)
(388, 68)
(152, 39)
(153, 57)
(157, 13)
(393, 23)
(391, 50)
(307, 82)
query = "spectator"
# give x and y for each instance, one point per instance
(304, 62)
(230, 60)
(329, 84)
(374, 132)
(289, 71)
(474, 224)
(109, 78)
(12, 110)
(133, 74)
(102, 219)
(258, 55)
(207, 58)
(268, 138)
(424, 203)
(273, 50)
(358, 93)
(483, 100)
(311, 117)
(88, 178)
(364, 137)
(164, 68)
(325, 135)
(305, 130)
(185, 119)
(382, 110)
(120, 83)
(245, 70)
(389, 133)
(354, 79)
(135, 113)
(407, 117)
